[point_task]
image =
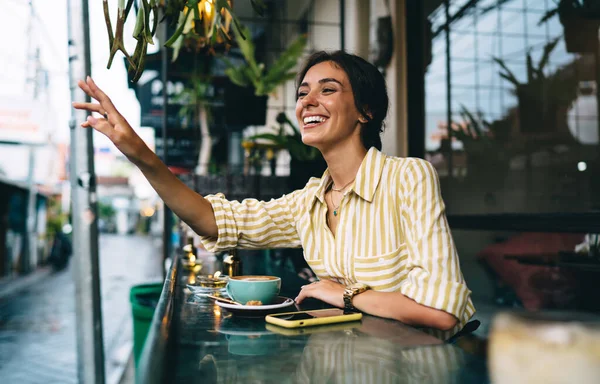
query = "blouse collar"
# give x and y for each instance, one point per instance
(367, 177)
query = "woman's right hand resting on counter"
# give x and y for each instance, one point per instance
(192, 208)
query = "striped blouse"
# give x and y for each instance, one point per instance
(392, 233)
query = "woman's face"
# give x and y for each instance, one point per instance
(325, 107)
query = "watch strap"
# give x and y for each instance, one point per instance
(349, 293)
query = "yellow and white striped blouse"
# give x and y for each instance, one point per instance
(392, 235)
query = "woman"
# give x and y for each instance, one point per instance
(373, 228)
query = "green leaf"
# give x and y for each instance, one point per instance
(181, 24)
(250, 75)
(248, 50)
(508, 73)
(547, 16)
(294, 127)
(473, 123)
(530, 70)
(548, 48)
(276, 139)
(510, 79)
(176, 48)
(254, 73)
(285, 62)
(237, 77)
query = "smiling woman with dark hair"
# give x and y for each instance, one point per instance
(373, 227)
(368, 87)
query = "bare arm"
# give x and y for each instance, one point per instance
(394, 305)
(391, 305)
(192, 208)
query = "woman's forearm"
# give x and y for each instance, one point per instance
(394, 305)
(188, 205)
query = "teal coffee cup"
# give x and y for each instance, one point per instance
(254, 288)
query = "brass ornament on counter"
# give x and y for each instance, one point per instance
(189, 258)
(232, 264)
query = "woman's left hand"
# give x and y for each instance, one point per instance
(325, 290)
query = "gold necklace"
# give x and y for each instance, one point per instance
(335, 209)
(333, 188)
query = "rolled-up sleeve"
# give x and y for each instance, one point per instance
(434, 279)
(254, 224)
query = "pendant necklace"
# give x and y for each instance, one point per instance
(335, 209)
(333, 188)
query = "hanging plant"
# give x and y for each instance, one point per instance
(206, 20)
(580, 20)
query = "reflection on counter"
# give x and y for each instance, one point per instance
(248, 338)
(374, 350)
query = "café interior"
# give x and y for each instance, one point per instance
(501, 96)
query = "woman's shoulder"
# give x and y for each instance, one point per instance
(410, 164)
(310, 189)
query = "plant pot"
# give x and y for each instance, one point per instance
(243, 107)
(581, 34)
(540, 112)
(534, 111)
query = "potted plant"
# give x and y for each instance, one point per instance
(580, 20)
(305, 161)
(246, 102)
(543, 100)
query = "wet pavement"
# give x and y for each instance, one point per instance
(37, 323)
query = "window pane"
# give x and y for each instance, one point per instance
(524, 109)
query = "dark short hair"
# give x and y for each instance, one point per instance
(368, 86)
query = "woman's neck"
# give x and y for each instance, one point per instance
(343, 162)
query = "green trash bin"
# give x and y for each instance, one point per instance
(144, 299)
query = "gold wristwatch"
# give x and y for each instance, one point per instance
(350, 292)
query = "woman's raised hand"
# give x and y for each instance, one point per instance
(192, 208)
(113, 125)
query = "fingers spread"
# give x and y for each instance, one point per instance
(92, 107)
(85, 88)
(104, 100)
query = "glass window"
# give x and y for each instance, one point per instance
(524, 108)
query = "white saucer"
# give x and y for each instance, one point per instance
(280, 302)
